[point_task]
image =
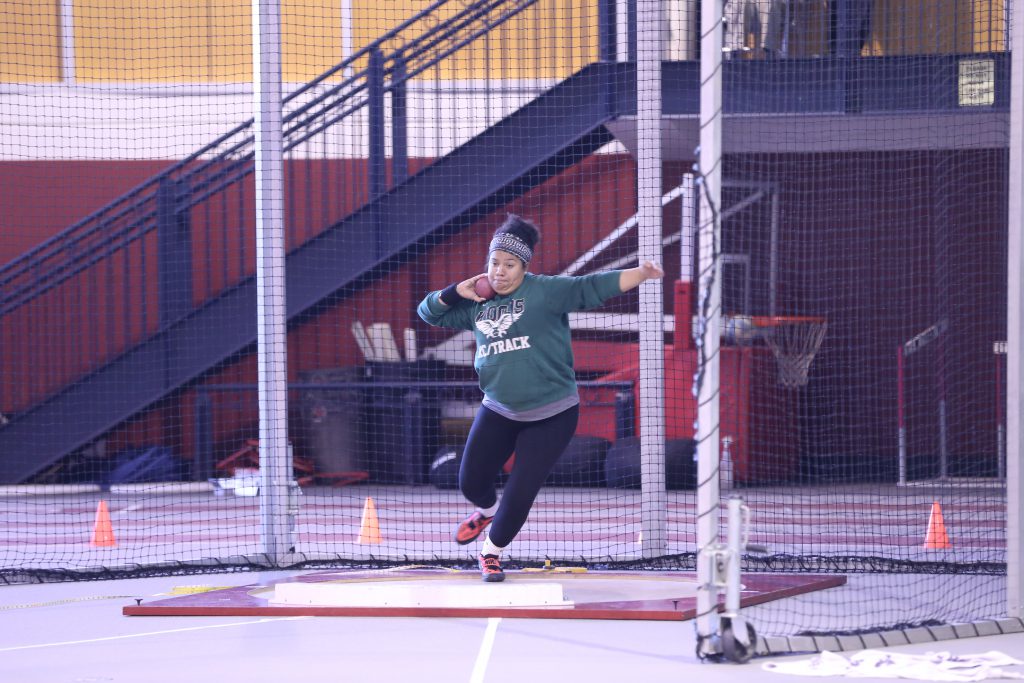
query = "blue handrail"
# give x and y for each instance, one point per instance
(128, 218)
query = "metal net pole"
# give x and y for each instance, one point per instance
(709, 315)
(1015, 331)
(652, 361)
(271, 313)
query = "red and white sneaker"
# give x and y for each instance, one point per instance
(471, 528)
(490, 569)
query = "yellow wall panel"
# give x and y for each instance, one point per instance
(370, 20)
(551, 39)
(29, 41)
(311, 34)
(200, 40)
(211, 40)
(139, 40)
(915, 27)
(990, 25)
(230, 48)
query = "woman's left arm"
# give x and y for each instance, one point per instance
(582, 292)
(632, 277)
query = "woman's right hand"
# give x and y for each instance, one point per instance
(467, 289)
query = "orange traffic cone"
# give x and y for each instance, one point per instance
(369, 528)
(102, 531)
(935, 538)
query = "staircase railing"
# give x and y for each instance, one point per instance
(144, 261)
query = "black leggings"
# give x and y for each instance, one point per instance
(537, 445)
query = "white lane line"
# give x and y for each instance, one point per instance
(484, 656)
(144, 635)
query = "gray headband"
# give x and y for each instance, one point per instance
(506, 241)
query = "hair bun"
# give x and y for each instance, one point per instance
(522, 228)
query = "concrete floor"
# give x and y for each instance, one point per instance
(75, 632)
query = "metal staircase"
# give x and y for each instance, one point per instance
(552, 132)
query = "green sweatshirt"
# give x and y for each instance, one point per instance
(523, 345)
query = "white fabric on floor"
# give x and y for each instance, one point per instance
(932, 666)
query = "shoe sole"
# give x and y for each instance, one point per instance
(493, 578)
(472, 538)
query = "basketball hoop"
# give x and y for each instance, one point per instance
(794, 340)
